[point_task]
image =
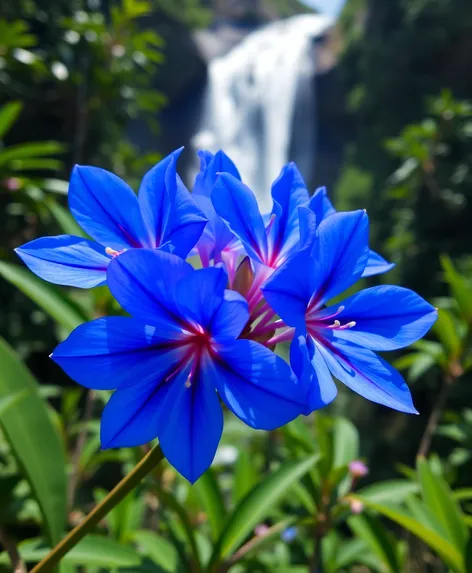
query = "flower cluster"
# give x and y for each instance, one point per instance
(196, 338)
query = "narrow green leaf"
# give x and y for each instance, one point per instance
(93, 550)
(437, 543)
(461, 289)
(34, 441)
(45, 295)
(446, 331)
(64, 218)
(171, 502)
(245, 476)
(30, 150)
(157, 548)
(345, 442)
(391, 492)
(377, 538)
(7, 401)
(421, 513)
(468, 556)
(463, 494)
(258, 503)
(9, 113)
(208, 491)
(441, 503)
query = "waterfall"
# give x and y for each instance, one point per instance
(255, 93)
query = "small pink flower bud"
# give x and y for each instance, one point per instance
(261, 529)
(12, 183)
(356, 506)
(358, 469)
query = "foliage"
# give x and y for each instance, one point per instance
(283, 502)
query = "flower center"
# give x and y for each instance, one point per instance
(317, 320)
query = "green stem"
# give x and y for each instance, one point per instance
(119, 492)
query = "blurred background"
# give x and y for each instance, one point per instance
(373, 100)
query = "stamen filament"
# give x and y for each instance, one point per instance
(285, 336)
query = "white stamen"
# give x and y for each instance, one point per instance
(188, 383)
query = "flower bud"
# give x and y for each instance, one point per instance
(358, 469)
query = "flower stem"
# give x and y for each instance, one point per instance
(119, 492)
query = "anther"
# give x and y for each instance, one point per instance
(348, 325)
(337, 324)
(111, 252)
(188, 382)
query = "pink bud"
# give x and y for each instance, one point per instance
(261, 529)
(12, 183)
(358, 469)
(356, 506)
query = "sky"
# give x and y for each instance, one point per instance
(331, 7)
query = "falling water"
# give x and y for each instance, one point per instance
(252, 94)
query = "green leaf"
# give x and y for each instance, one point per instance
(377, 538)
(391, 492)
(437, 543)
(45, 295)
(157, 548)
(172, 503)
(93, 550)
(24, 151)
(468, 556)
(7, 401)
(34, 441)
(63, 217)
(9, 113)
(345, 442)
(210, 496)
(245, 476)
(446, 331)
(258, 503)
(441, 503)
(461, 289)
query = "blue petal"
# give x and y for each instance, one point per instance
(155, 198)
(217, 234)
(66, 260)
(171, 215)
(143, 281)
(312, 371)
(187, 420)
(288, 193)
(237, 205)
(340, 253)
(289, 289)
(321, 205)
(190, 425)
(231, 316)
(386, 317)
(210, 166)
(376, 265)
(114, 351)
(200, 294)
(106, 208)
(186, 222)
(367, 374)
(308, 224)
(255, 384)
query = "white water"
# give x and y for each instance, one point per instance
(251, 97)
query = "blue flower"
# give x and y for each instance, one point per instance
(164, 216)
(217, 243)
(339, 340)
(322, 207)
(288, 535)
(268, 243)
(174, 357)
